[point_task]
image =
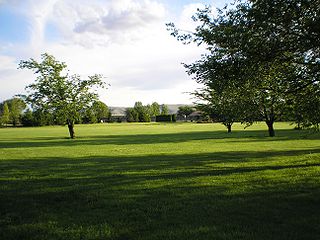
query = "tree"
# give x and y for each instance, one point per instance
(185, 111)
(96, 113)
(5, 116)
(132, 115)
(27, 119)
(142, 111)
(164, 109)
(265, 50)
(56, 92)
(101, 110)
(16, 107)
(154, 109)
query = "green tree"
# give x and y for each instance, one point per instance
(27, 119)
(43, 117)
(16, 107)
(185, 111)
(5, 116)
(132, 115)
(142, 111)
(101, 111)
(155, 109)
(267, 47)
(57, 92)
(164, 109)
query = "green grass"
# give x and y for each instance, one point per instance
(159, 181)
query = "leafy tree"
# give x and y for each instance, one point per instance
(270, 48)
(306, 108)
(95, 113)
(101, 110)
(58, 93)
(185, 110)
(27, 119)
(43, 117)
(164, 109)
(142, 111)
(155, 109)
(226, 107)
(5, 116)
(88, 116)
(132, 115)
(16, 107)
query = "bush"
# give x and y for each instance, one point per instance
(166, 118)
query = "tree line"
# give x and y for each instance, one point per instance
(15, 112)
(144, 113)
(262, 63)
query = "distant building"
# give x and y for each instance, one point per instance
(118, 114)
(196, 116)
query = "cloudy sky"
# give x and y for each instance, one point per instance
(125, 40)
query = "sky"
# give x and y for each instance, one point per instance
(124, 40)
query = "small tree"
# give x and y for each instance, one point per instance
(100, 110)
(27, 119)
(132, 115)
(155, 109)
(58, 93)
(164, 109)
(16, 107)
(5, 117)
(185, 111)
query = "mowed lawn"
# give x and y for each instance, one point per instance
(159, 181)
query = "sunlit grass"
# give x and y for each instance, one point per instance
(156, 181)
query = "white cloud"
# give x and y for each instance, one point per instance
(12, 80)
(101, 23)
(125, 40)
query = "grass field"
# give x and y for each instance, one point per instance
(159, 181)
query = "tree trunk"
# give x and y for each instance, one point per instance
(229, 127)
(71, 130)
(270, 128)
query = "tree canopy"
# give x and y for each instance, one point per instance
(58, 93)
(267, 53)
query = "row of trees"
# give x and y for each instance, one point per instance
(144, 113)
(15, 112)
(11, 111)
(263, 61)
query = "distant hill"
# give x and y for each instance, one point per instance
(121, 111)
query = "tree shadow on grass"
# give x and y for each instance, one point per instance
(229, 195)
(236, 136)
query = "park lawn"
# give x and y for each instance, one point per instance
(159, 181)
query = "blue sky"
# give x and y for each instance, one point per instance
(125, 40)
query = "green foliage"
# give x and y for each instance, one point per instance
(159, 181)
(185, 110)
(266, 51)
(28, 119)
(101, 111)
(166, 118)
(15, 108)
(58, 93)
(5, 115)
(96, 113)
(154, 109)
(132, 115)
(164, 109)
(139, 113)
